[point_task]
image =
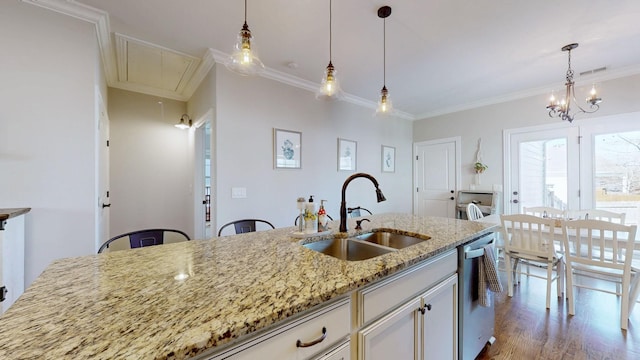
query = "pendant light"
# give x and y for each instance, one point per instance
(384, 104)
(330, 87)
(244, 60)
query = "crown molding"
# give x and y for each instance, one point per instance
(92, 15)
(221, 58)
(609, 74)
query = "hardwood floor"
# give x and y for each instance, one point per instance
(526, 330)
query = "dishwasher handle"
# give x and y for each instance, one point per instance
(477, 252)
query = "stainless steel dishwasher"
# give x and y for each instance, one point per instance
(475, 322)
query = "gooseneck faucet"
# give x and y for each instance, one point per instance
(343, 203)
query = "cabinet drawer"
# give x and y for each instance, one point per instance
(280, 343)
(374, 301)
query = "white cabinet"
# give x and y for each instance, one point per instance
(440, 321)
(308, 336)
(12, 260)
(420, 315)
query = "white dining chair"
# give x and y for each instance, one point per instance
(544, 211)
(529, 240)
(603, 250)
(474, 212)
(598, 214)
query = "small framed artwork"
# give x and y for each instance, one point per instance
(347, 155)
(388, 159)
(287, 149)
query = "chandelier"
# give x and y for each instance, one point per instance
(562, 108)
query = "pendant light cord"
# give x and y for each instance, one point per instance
(330, 32)
(384, 52)
(245, 11)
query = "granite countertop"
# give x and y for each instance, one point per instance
(9, 213)
(178, 300)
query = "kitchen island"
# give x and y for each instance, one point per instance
(179, 300)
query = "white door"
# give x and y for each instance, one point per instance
(437, 176)
(103, 174)
(543, 169)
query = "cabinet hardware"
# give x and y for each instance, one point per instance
(106, 205)
(299, 343)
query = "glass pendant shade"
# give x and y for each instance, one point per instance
(385, 106)
(330, 86)
(244, 60)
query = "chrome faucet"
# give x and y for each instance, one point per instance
(343, 203)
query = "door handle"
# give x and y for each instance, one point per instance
(106, 205)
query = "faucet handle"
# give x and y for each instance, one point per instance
(359, 223)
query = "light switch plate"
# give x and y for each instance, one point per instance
(238, 193)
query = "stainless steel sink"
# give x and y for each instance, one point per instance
(390, 239)
(348, 249)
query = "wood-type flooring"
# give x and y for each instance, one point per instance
(524, 329)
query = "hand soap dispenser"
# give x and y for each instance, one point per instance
(310, 218)
(323, 220)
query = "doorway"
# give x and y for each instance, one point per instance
(437, 177)
(594, 164)
(203, 195)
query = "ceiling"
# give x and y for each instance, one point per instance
(441, 55)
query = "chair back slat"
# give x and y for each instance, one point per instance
(529, 234)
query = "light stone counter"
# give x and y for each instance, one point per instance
(131, 304)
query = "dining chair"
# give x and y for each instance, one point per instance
(357, 211)
(529, 240)
(598, 214)
(474, 212)
(245, 225)
(544, 211)
(142, 238)
(602, 250)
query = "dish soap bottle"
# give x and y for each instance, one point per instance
(310, 218)
(323, 220)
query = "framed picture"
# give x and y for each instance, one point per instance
(287, 149)
(388, 159)
(347, 155)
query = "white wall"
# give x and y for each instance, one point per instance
(619, 97)
(247, 110)
(151, 164)
(47, 127)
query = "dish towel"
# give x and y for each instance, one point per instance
(488, 276)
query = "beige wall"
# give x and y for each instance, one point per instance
(247, 110)
(489, 122)
(48, 130)
(151, 164)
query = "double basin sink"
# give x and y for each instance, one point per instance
(364, 246)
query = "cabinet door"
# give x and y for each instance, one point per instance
(440, 321)
(395, 336)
